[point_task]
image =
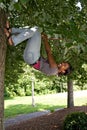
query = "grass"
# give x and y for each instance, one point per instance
(23, 105)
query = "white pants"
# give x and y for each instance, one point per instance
(33, 38)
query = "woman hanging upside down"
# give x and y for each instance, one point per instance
(32, 50)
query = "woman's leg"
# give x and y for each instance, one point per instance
(17, 30)
(25, 34)
(20, 35)
(32, 50)
(13, 30)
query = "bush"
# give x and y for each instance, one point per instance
(75, 121)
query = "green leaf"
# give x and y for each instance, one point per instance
(17, 6)
(24, 1)
(69, 44)
(83, 36)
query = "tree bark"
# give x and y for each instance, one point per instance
(2, 65)
(70, 100)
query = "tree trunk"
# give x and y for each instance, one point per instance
(70, 102)
(2, 65)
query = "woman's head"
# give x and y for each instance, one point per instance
(64, 68)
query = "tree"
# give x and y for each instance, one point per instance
(70, 101)
(2, 64)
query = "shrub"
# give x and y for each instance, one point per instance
(75, 121)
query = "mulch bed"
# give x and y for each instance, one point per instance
(52, 121)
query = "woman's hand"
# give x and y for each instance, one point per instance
(44, 36)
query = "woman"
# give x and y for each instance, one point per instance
(32, 50)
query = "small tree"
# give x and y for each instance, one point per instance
(70, 101)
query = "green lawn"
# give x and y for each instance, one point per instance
(22, 105)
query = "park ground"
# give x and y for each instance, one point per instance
(50, 121)
(45, 120)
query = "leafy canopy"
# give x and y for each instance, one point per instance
(62, 19)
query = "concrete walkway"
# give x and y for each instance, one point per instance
(24, 117)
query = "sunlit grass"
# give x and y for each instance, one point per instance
(22, 105)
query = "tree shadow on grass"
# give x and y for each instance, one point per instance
(7, 98)
(14, 110)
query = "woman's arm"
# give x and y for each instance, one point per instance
(50, 57)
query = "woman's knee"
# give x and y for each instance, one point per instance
(28, 57)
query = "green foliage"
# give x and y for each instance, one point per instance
(75, 121)
(22, 84)
(63, 18)
(19, 75)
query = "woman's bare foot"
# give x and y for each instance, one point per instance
(7, 33)
(7, 24)
(8, 36)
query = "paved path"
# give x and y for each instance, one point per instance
(24, 117)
